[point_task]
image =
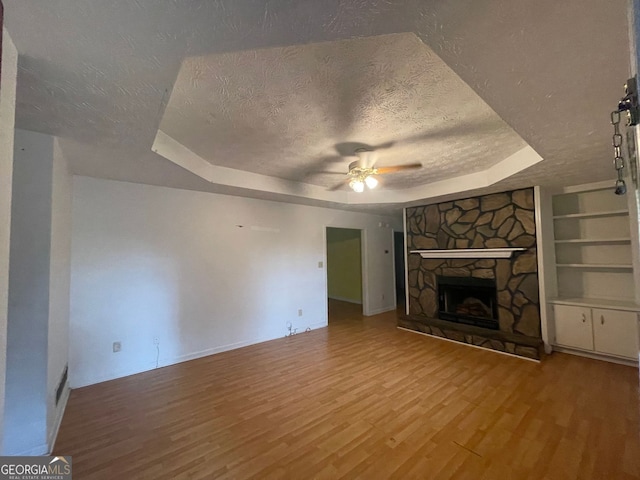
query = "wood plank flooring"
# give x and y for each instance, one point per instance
(359, 399)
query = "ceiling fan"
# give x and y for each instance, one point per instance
(362, 172)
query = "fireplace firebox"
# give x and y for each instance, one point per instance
(468, 300)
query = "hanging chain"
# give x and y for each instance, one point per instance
(618, 160)
(629, 104)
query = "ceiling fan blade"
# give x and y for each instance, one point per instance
(337, 186)
(326, 172)
(383, 146)
(398, 168)
(308, 170)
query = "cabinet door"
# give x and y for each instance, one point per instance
(616, 332)
(573, 326)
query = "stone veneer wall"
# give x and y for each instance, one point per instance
(491, 221)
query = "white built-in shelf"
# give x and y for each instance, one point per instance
(595, 240)
(612, 304)
(590, 227)
(609, 266)
(610, 213)
(506, 252)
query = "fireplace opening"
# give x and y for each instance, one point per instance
(468, 300)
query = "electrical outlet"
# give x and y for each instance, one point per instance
(299, 312)
(117, 346)
(156, 341)
(320, 264)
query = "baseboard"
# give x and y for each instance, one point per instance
(315, 326)
(596, 356)
(84, 382)
(210, 351)
(180, 359)
(344, 299)
(380, 310)
(62, 406)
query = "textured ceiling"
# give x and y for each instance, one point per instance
(99, 75)
(282, 111)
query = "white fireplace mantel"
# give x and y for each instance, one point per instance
(506, 252)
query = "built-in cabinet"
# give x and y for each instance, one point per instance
(603, 331)
(589, 282)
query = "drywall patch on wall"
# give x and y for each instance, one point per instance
(344, 264)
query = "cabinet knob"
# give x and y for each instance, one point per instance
(601, 319)
(584, 318)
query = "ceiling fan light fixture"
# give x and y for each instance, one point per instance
(371, 181)
(357, 185)
(364, 174)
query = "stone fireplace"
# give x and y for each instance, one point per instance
(507, 287)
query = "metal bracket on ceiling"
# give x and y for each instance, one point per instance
(629, 103)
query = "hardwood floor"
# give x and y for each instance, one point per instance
(359, 399)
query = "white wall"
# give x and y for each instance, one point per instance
(28, 313)
(59, 286)
(545, 240)
(7, 120)
(201, 272)
(39, 279)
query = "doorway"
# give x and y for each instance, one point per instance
(344, 272)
